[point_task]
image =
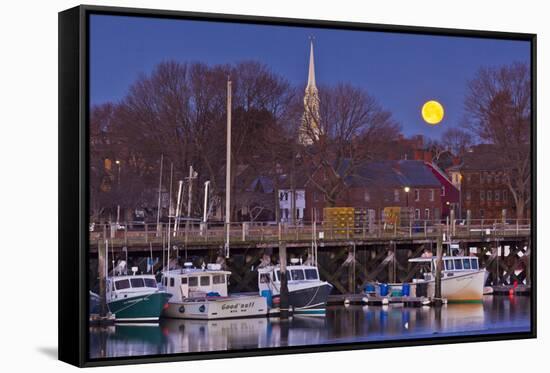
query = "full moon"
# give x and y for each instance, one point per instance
(433, 112)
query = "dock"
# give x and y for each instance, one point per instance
(377, 300)
(520, 290)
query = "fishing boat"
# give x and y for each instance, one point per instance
(462, 280)
(201, 293)
(307, 294)
(135, 298)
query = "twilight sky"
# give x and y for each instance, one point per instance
(402, 71)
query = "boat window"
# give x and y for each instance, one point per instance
(113, 286)
(449, 265)
(278, 275)
(171, 282)
(150, 283)
(297, 274)
(193, 281)
(122, 284)
(311, 274)
(165, 281)
(475, 264)
(137, 282)
(458, 264)
(466, 263)
(205, 280)
(218, 279)
(184, 280)
(264, 278)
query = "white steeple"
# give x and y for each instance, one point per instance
(309, 129)
(311, 73)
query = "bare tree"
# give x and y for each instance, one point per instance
(354, 128)
(499, 106)
(456, 140)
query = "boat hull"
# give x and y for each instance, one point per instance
(147, 307)
(214, 308)
(308, 300)
(467, 287)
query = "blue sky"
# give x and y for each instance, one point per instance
(402, 71)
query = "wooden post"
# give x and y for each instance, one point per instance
(439, 264)
(146, 234)
(283, 304)
(102, 272)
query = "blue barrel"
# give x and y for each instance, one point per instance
(268, 297)
(406, 290)
(383, 290)
(369, 288)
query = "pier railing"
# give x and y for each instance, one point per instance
(212, 232)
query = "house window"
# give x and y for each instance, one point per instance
(396, 195)
(482, 195)
(481, 213)
(443, 190)
(505, 195)
(497, 195)
(497, 179)
(417, 214)
(432, 194)
(482, 177)
(427, 214)
(489, 195)
(468, 195)
(469, 178)
(489, 178)
(416, 195)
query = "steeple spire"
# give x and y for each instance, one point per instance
(309, 130)
(311, 73)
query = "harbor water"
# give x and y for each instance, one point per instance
(497, 314)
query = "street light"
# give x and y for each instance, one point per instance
(407, 190)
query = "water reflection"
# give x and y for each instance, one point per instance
(341, 324)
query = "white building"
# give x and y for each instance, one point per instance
(285, 204)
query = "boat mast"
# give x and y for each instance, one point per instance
(169, 219)
(228, 171)
(159, 230)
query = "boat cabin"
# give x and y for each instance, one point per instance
(269, 276)
(120, 287)
(195, 283)
(451, 265)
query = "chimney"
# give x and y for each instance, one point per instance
(427, 156)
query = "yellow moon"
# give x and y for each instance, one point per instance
(433, 112)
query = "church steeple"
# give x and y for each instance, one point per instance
(311, 73)
(309, 129)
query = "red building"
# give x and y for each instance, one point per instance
(407, 184)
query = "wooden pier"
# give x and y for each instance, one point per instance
(377, 300)
(347, 258)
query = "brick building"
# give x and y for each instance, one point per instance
(407, 184)
(481, 179)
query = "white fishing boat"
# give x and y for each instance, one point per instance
(462, 280)
(202, 294)
(307, 294)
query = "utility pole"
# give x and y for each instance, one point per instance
(228, 171)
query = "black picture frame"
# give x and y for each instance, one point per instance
(74, 189)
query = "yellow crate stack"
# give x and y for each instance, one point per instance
(338, 220)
